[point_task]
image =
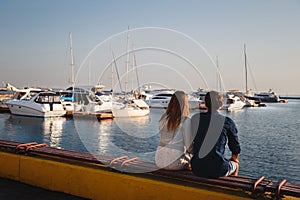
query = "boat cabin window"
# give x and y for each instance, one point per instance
(95, 99)
(159, 97)
(164, 95)
(263, 95)
(81, 98)
(230, 101)
(66, 96)
(48, 98)
(18, 95)
(32, 94)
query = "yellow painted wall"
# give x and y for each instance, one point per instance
(98, 183)
(9, 165)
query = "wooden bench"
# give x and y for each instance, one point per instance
(254, 186)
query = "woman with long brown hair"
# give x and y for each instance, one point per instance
(173, 151)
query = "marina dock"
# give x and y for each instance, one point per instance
(98, 115)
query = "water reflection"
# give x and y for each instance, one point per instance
(120, 136)
(135, 127)
(53, 128)
(55, 132)
(48, 130)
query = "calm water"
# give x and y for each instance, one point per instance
(269, 136)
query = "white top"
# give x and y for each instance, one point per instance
(179, 139)
(173, 145)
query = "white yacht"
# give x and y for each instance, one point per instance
(162, 99)
(5, 95)
(18, 94)
(233, 103)
(43, 104)
(85, 100)
(134, 108)
(269, 96)
(247, 98)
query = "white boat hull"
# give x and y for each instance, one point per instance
(233, 103)
(129, 112)
(30, 109)
(233, 107)
(193, 104)
(94, 107)
(158, 104)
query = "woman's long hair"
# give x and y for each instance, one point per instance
(178, 109)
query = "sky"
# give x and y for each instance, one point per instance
(178, 42)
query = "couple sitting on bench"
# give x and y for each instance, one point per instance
(197, 143)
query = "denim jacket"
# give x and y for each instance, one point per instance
(217, 129)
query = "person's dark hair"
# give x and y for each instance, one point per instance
(213, 100)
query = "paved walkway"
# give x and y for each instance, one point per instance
(11, 190)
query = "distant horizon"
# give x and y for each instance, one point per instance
(155, 88)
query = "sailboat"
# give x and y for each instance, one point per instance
(131, 107)
(250, 100)
(232, 102)
(67, 97)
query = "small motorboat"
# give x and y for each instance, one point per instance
(233, 103)
(43, 104)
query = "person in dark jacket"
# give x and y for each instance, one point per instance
(212, 131)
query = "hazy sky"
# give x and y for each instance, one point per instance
(34, 41)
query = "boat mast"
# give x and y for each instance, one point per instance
(132, 77)
(112, 69)
(136, 70)
(218, 75)
(89, 78)
(246, 71)
(127, 63)
(117, 72)
(72, 63)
